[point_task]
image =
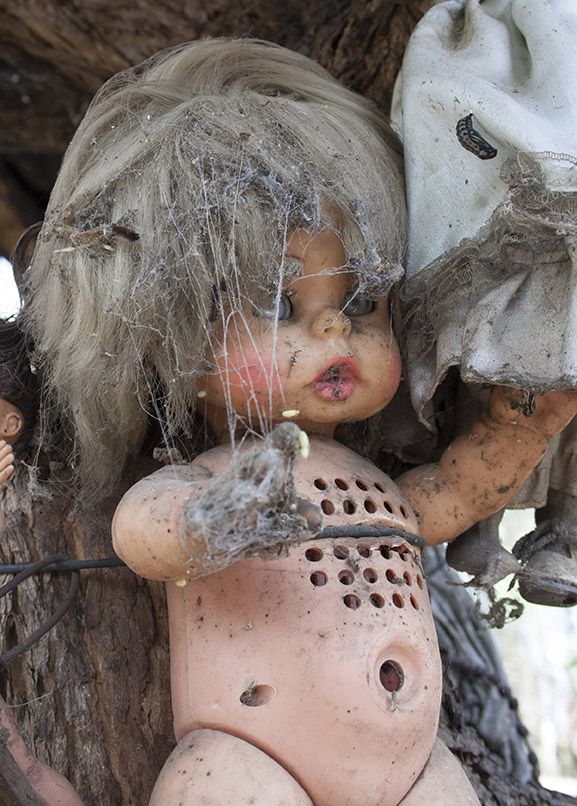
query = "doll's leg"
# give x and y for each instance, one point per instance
(443, 782)
(478, 551)
(549, 554)
(211, 768)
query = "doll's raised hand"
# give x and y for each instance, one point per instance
(483, 468)
(202, 520)
(6, 461)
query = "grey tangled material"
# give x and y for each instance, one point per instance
(252, 509)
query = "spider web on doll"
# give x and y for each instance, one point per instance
(171, 213)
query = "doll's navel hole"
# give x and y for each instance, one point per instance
(349, 507)
(318, 578)
(370, 505)
(313, 555)
(342, 484)
(391, 675)
(352, 601)
(346, 577)
(254, 696)
(370, 575)
(398, 600)
(341, 552)
(320, 484)
(327, 507)
(376, 600)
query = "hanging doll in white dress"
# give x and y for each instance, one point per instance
(487, 109)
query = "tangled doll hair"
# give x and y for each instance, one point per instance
(175, 198)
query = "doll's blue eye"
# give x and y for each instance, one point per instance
(282, 311)
(355, 305)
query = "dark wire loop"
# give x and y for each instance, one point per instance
(62, 562)
(65, 565)
(33, 568)
(50, 564)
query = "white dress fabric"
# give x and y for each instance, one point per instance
(486, 106)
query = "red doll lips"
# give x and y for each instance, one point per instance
(336, 380)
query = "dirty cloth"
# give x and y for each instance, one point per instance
(486, 105)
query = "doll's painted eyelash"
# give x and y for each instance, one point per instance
(473, 141)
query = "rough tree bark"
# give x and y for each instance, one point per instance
(93, 696)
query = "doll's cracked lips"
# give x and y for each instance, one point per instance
(336, 380)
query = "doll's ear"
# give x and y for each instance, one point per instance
(11, 422)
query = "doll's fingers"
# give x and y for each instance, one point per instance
(5, 473)
(311, 513)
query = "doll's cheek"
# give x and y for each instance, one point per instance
(253, 374)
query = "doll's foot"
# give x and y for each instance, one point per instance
(548, 556)
(478, 551)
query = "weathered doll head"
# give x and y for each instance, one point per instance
(170, 222)
(321, 352)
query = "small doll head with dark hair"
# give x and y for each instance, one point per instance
(19, 395)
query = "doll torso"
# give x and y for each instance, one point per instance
(327, 658)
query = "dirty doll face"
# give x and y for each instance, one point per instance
(323, 350)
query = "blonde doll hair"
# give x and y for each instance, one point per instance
(179, 188)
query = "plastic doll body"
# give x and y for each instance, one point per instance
(338, 633)
(238, 634)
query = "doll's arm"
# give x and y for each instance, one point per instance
(483, 468)
(51, 788)
(149, 521)
(181, 523)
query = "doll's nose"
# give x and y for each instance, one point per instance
(331, 322)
